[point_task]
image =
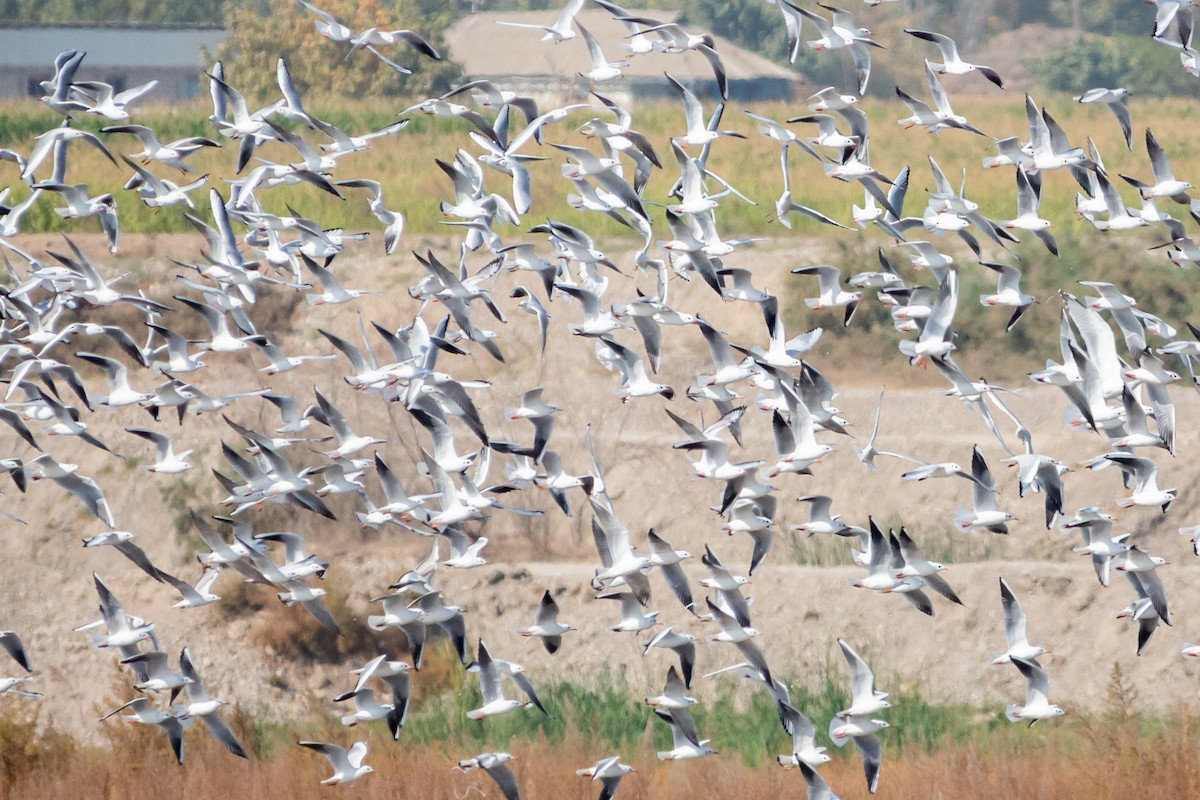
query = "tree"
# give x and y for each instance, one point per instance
(262, 31)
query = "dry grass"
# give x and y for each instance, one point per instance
(1092, 760)
(404, 163)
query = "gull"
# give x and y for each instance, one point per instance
(9, 685)
(79, 205)
(939, 117)
(398, 501)
(602, 69)
(464, 554)
(250, 128)
(280, 362)
(119, 391)
(983, 512)
(395, 674)
(819, 518)
(818, 788)
(1192, 532)
(1041, 473)
(596, 321)
(1115, 100)
(868, 454)
(46, 144)
(1015, 630)
(442, 108)
(862, 731)
(333, 293)
(393, 221)
(886, 277)
(13, 645)
(698, 133)
(783, 352)
(519, 677)
(632, 618)
(1037, 704)
(720, 578)
(561, 30)
(10, 224)
(1027, 219)
(785, 205)
(221, 339)
(366, 707)
(685, 738)
(82, 487)
(158, 193)
(349, 442)
(1099, 543)
(673, 39)
(739, 635)
(840, 32)
(195, 596)
(159, 676)
(1140, 567)
(864, 698)
(107, 102)
(804, 747)
(58, 89)
(881, 571)
(123, 542)
(142, 713)
(1119, 215)
(1165, 183)
(831, 294)
(167, 461)
(609, 772)
(1008, 289)
(546, 625)
(952, 63)
(205, 707)
(494, 765)
(1141, 611)
(1047, 153)
(295, 591)
(373, 38)
(936, 337)
(682, 644)
(534, 306)
(673, 693)
(171, 154)
(1144, 474)
(714, 460)
(669, 560)
(916, 565)
(634, 380)
(540, 414)
(489, 95)
(827, 132)
(347, 764)
(494, 701)
(828, 99)
(122, 630)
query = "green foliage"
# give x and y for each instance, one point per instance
(1137, 63)
(261, 33)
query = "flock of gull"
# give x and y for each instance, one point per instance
(1116, 391)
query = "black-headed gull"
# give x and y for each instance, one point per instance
(347, 764)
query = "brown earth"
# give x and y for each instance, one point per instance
(801, 608)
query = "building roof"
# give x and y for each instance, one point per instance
(483, 47)
(108, 46)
